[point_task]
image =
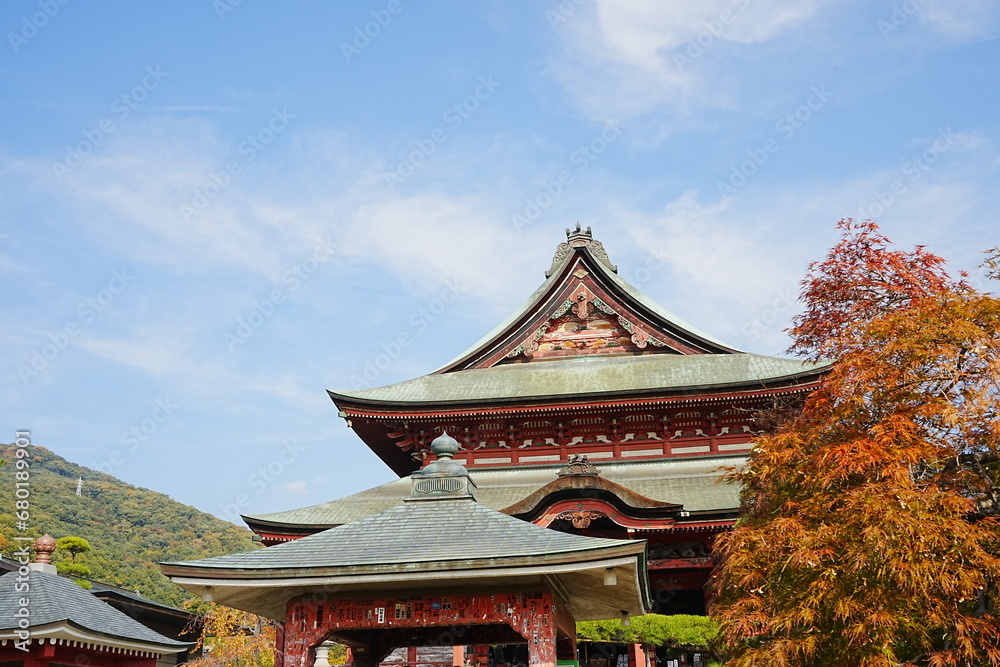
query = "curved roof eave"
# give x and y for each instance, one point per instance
(626, 548)
(551, 381)
(57, 601)
(628, 498)
(267, 595)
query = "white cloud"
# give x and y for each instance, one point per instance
(967, 21)
(200, 107)
(739, 254)
(437, 240)
(738, 261)
(628, 57)
(297, 488)
(316, 187)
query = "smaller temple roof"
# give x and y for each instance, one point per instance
(444, 534)
(693, 483)
(580, 377)
(439, 538)
(59, 608)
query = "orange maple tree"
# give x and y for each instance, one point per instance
(869, 527)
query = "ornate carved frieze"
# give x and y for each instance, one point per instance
(581, 518)
(361, 623)
(585, 325)
(663, 551)
(530, 346)
(601, 435)
(580, 331)
(667, 556)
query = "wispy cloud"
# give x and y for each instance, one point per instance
(297, 488)
(200, 107)
(27, 103)
(629, 57)
(959, 22)
(740, 259)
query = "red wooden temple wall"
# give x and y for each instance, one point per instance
(375, 626)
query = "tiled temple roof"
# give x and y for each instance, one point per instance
(584, 377)
(693, 483)
(56, 600)
(419, 534)
(439, 538)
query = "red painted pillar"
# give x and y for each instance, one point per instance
(535, 621)
(636, 656)
(542, 645)
(297, 639)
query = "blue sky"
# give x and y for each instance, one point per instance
(212, 212)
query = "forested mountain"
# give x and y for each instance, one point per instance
(129, 528)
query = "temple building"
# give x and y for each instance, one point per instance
(46, 619)
(439, 569)
(591, 411)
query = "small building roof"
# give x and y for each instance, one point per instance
(439, 538)
(60, 609)
(693, 483)
(418, 535)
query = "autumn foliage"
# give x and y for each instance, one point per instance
(231, 638)
(869, 531)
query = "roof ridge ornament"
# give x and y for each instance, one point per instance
(44, 546)
(577, 465)
(444, 478)
(584, 237)
(580, 238)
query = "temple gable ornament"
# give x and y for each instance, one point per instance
(574, 239)
(585, 325)
(578, 465)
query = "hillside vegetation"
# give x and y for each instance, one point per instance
(129, 528)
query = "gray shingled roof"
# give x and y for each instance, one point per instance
(55, 599)
(582, 376)
(692, 483)
(425, 532)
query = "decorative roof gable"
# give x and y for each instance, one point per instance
(585, 309)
